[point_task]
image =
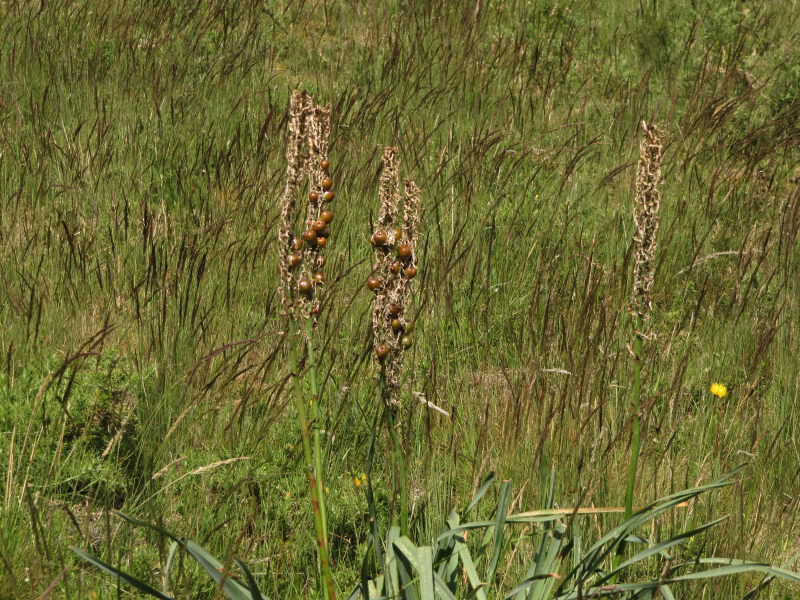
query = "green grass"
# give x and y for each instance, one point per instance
(141, 163)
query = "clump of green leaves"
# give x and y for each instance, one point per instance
(560, 568)
(454, 566)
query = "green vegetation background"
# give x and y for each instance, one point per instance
(141, 160)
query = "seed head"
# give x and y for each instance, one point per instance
(306, 158)
(645, 218)
(394, 266)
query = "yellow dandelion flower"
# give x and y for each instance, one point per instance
(356, 481)
(720, 390)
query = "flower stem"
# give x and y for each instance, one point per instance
(312, 459)
(312, 376)
(398, 456)
(637, 393)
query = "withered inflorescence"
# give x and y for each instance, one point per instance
(301, 261)
(394, 267)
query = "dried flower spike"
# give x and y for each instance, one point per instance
(394, 266)
(645, 217)
(306, 158)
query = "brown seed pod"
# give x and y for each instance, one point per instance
(398, 235)
(411, 271)
(394, 310)
(326, 233)
(326, 215)
(305, 286)
(297, 244)
(293, 260)
(397, 324)
(319, 277)
(396, 267)
(327, 183)
(310, 236)
(318, 226)
(406, 342)
(321, 241)
(382, 351)
(374, 283)
(404, 251)
(379, 238)
(313, 196)
(329, 196)
(409, 327)
(325, 165)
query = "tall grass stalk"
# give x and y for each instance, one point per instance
(300, 265)
(645, 218)
(394, 268)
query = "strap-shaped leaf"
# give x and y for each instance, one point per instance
(499, 531)
(129, 579)
(660, 547)
(232, 588)
(527, 583)
(487, 482)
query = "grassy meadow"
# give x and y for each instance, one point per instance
(142, 362)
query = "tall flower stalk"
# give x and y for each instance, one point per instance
(301, 263)
(394, 267)
(645, 218)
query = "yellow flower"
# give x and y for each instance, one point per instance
(720, 390)
(356, 481)
(359, 481)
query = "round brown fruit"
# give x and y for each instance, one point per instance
(379, 238)
(305, 286)
(411, 271)
(322, 241)
(327, 183)
(374, 283)
(326, 215)
(406, 342)
(404, 251)
(297, 244)
(325, 164)
(394, 310)
(329, 196)
(409, 326)
(318, 225)
(396, 267)
(382, 351)
(294, 260)
(398, 234)
(397, 324)
(319, 277)
(326, 232)
(310, 236)
(313, 196)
